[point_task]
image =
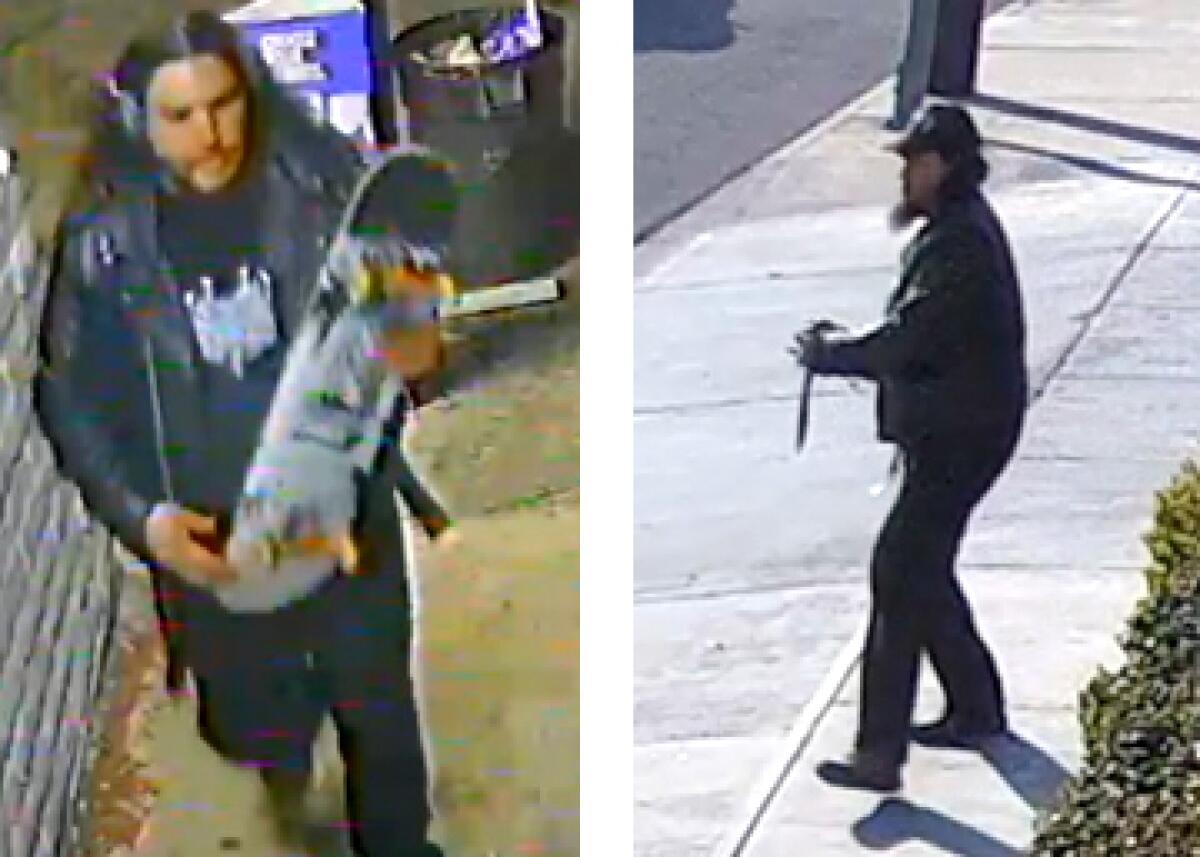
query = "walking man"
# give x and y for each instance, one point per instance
(952, 389)
(169, 315)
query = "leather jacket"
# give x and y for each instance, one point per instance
(120, 367)
(949, 357)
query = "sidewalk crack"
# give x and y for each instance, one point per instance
(1089, 317)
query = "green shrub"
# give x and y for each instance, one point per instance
(1138, 792)
(1174, 539)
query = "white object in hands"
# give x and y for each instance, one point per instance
(325, 428)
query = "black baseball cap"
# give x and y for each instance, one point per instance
(943, 128)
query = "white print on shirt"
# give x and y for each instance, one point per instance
(234, 330)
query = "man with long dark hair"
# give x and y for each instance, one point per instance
(949, 362)
(173, 301)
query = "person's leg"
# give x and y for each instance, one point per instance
(256, 700)
(263, 715)
(961, 659)
(917, 603)
(964, 665)
(891, 656)
(258, 705)
(366, 665)
(265, 719)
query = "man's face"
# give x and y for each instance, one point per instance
(197, 111)
(922, 176)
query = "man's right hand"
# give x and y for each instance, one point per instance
(176, 539)
(812, 342)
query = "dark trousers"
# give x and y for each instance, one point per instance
(917, 605)
(266, 682)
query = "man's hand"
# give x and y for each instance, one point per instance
(177, 539)
(811, 342)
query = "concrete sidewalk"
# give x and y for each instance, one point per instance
(753, 577)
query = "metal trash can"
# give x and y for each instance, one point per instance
(956, 55)
(502, 125)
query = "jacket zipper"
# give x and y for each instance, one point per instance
(160, 445)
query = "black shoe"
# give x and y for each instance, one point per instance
(862, 773)
(949, 733)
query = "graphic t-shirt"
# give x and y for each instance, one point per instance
(213, 244)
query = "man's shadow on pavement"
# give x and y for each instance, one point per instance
(1034, 775)
(1029, 771)
(896, 821)
(682, 25)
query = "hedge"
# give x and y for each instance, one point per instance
(1138, 790)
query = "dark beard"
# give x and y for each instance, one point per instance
(902, 216)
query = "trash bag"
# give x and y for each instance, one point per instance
(515, 36)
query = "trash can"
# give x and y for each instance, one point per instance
(502, 125)
(956, 54)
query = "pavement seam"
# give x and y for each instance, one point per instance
(684, 408)
(660, 270)
(768, 276)
(826, 694)
(1089, 317)
(1111, 377)
(661, 597)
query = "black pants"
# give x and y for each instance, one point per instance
(917, 605)
(265, 683)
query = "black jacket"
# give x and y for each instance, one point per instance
(949, 357)
(120, 368)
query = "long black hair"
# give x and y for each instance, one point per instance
(966, 175)
(119, 147)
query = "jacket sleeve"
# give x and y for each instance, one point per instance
(917, 330)
(81, 395)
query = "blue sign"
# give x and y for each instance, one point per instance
(326, 54)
